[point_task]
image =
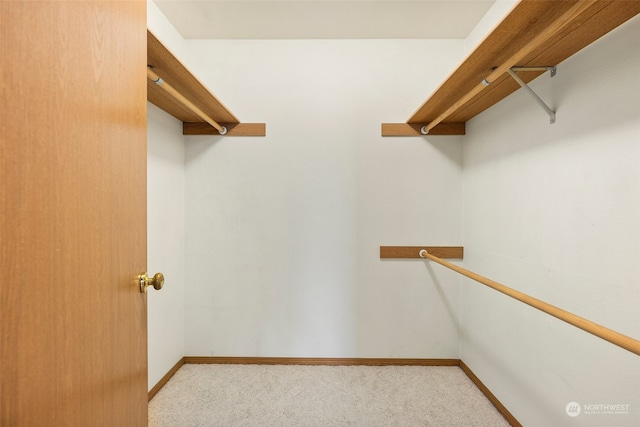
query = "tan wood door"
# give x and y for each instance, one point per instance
(73, 220)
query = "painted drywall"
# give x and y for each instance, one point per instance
(161, 28)
(165, 222)
(165, 241)
(282, 253)
(496, 13)
(554, 211)
(283, 231)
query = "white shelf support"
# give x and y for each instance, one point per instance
(512, 73)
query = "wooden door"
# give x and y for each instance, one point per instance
(73, 220)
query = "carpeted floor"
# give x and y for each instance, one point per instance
(294, 395)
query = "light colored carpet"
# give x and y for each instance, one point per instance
(294, 395)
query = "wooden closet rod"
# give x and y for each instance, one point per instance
(600, 331)
(551, 31)
(151, 75)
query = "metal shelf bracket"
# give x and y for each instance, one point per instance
(512, 73)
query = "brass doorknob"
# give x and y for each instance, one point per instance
(157, 281)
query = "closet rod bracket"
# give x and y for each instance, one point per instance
(552, 70)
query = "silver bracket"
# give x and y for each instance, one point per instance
(512, 70)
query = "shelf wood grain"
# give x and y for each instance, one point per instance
(456, 252)
(527, 20)
(233, 129)
(171, 70)
(405, 129)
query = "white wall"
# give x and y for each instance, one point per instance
(282, 254)
(165, 221)
(554, 211)
(283, 231)
(494, 16)
(165, 241)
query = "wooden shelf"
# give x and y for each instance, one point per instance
(414, 251)
(406, 129)
(534, 33)
(167, 66)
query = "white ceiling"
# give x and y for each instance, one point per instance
(328, 19)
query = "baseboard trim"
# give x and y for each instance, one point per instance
(492, 398)
(320, 361)
(166, 378)
(338, 362)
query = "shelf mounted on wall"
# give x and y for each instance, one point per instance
(172, 88)
(534, 33)
(545, 107)
(396, 252)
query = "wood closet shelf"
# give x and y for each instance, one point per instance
(414, 251)
(528, 20)
(171, 70)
